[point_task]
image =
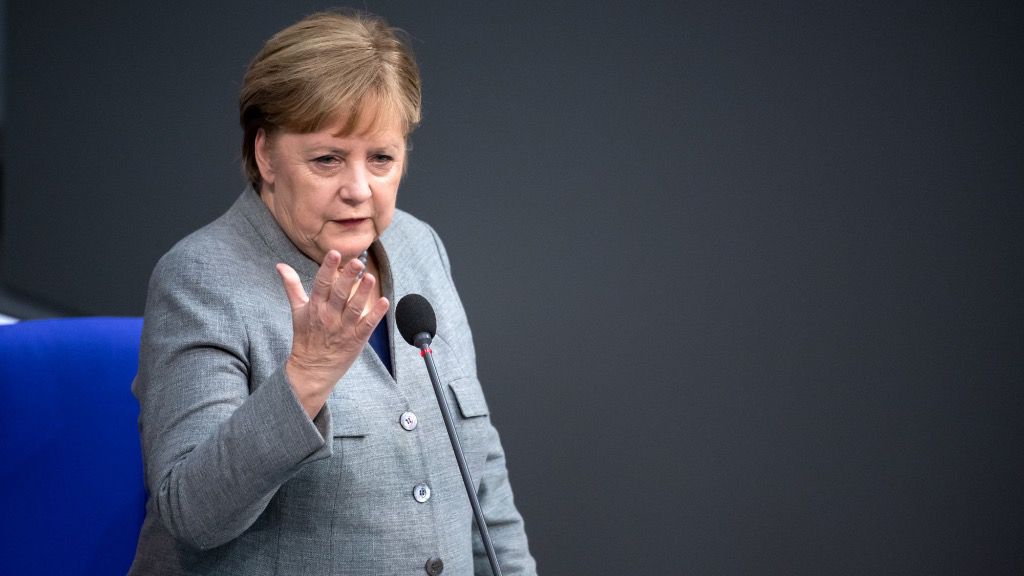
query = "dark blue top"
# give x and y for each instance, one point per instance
(381, 345)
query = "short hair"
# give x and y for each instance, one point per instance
(327, 66)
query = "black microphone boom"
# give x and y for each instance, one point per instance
(417, 324)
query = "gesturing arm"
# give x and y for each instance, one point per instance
(218, 445)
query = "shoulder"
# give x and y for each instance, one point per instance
(229, 246)
(412, 239)
(220, 266)
(219, 243)
(405, 226)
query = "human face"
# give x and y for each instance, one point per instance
(329, 190)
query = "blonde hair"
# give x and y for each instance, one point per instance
(326, 67)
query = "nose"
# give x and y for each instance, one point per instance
(355, 188)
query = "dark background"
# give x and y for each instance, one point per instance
(746, 278)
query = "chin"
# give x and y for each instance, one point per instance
(351, 249)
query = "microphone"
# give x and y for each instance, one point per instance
(415, 319)
(418, 325)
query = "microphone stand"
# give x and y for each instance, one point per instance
(422, 341)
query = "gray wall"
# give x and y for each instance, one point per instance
(746, 278)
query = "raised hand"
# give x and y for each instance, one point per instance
(330, 327)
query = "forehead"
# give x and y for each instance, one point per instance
(344, 134)
(373, 117)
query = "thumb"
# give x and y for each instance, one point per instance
(292, 286)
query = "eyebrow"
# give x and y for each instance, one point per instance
(343, 134)
(338, 150)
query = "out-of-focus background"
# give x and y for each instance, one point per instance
(745, 278)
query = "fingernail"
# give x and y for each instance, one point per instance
(357, 267)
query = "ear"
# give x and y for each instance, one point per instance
(263, 157)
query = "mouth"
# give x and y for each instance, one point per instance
(350, 222)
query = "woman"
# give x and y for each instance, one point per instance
(276, 440)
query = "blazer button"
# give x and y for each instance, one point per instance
(421, 493)
(434, 566)
(408, 421)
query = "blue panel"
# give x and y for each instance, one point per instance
(71, 487)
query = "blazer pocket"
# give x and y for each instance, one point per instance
(469, 397)
(347, 419)
(472, 422)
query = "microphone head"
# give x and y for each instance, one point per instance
(414, 315)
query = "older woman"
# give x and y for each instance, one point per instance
(284, 430)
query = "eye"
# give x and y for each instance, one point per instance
(381, 160)
(327, 160)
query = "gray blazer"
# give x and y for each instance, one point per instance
(242, 482)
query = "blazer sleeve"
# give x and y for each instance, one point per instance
(504, 522)
(216, 445)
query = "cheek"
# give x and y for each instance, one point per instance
(384, 207)
(384, 217)
(312, 204)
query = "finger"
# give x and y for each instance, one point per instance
(342, 290)
(292, 286)
(357, 303)
(369, 322)
(325, 277)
